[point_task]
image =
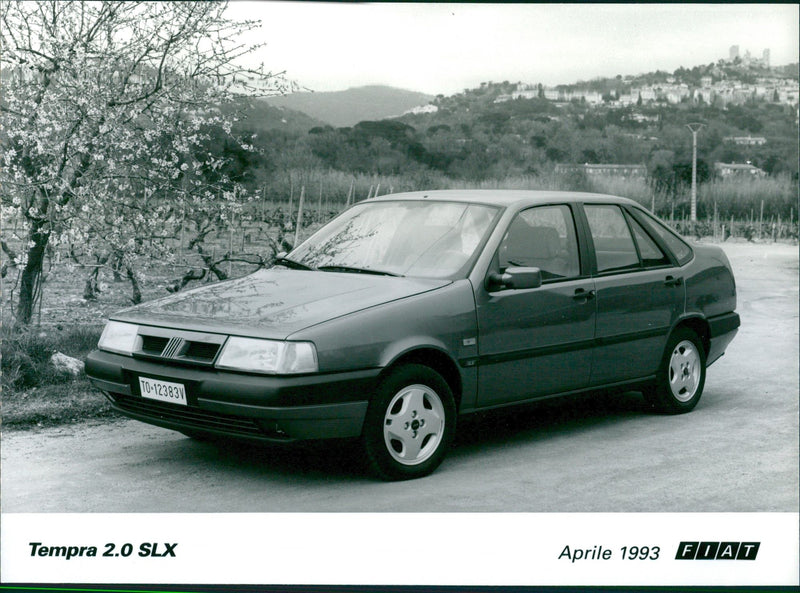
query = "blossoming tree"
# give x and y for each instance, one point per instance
(105, 109)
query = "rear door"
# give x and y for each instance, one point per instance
(640, 295)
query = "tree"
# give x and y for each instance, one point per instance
(104, 106)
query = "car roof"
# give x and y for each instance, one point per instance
(504, 197)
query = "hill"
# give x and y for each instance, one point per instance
(259, 116)
(347, 108)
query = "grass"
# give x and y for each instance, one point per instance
(743, 197)
(53, 405)
(37, 394)
(335, 186)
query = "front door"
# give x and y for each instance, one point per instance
(537, 341)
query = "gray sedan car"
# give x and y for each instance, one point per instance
(409, 310)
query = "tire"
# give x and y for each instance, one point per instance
(409, 424)
(681, 375)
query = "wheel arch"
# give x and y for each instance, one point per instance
(435, 359)
(699, 326)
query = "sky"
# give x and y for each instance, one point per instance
(444, 48)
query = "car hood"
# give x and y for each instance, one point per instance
(275, 303)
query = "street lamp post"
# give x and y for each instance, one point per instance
(694, 128)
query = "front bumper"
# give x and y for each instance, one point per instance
(252, 407)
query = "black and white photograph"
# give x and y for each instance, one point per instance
(295, 291)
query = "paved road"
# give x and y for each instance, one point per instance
(738, 451)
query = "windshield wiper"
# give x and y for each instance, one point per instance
(290, 263)
(356, 270)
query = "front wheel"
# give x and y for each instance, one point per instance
(681, 376)
(409, 424)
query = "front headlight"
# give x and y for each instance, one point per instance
(268, 356)
(119, 337)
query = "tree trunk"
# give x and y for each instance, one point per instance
(32, 274)
(12, 255)
(90, 289)
(116, 265)
(92, 286)
(136, 298)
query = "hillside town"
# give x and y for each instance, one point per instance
(716, 87)
(744, 143)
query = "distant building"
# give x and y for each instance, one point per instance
(746, 140)
(606, 170)
(523, 94)
(592, 97)
(705, 94)
(552, 94)
(675, 93)
(527, 94)
(423, 109)
(738, 170)
(647, 94)
(641, 118)
(789, 95)
(626, 100)
(748, 59)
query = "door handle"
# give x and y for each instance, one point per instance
(672, 281)
(581, 294)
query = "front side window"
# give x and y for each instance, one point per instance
(544, 238)
(405, 238)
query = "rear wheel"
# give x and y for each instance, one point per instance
(409, 424)
(681, 376)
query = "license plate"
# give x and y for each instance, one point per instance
(164, 391)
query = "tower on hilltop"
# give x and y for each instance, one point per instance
(733, 52)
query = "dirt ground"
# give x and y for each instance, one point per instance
(738, 451)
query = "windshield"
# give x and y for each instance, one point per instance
(404, 238)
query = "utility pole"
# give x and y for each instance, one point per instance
(694, 128)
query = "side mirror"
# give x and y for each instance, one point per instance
(515, 279)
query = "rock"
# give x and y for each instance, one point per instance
(62, 362)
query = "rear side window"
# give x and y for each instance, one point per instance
(682, 252)
(650, 253)
(613, 244)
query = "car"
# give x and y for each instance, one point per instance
(409, 310)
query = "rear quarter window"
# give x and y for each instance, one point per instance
(679, 248)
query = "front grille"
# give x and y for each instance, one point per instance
(183, 347)
(153, 345)
(191, 417)
(201, 351)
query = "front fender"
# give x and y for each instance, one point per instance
(443, 319)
